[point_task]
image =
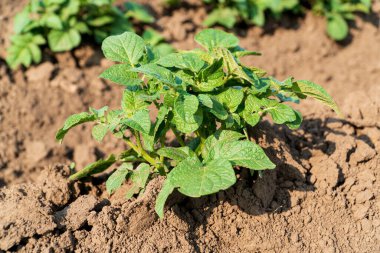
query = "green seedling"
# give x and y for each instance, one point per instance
(337, 12)
(61, 24)
(228, 12)
(206, 97)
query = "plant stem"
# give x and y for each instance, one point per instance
(246, 133)
(141, 152)
(131, 160)
(178, 136)
(198, 150)
(138, 141)
(162, 142)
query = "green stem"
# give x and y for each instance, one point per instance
(132, 160)
(198, 150)
(246, 133)
(178, 136)
(138, 141)
(162, 142)
(141, 152)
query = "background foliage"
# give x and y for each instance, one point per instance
(228, 12)
(61, 24)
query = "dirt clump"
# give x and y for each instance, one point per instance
(24, 214)
(75, 215)
(27, 210)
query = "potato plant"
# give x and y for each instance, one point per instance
(61, 23)
(206, 97)
(228, 12)
(337, 12)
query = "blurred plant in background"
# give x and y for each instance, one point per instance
(228, 12)
(61, 23)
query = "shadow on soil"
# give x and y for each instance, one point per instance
(270, 193)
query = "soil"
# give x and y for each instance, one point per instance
(322, 197)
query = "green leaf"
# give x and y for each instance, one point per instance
(101, 21)
(232, 64)
(279, 112)
(297, 122)
(120, 25)
(139, 178)
(169, 98)
(100, 35)
(24, 49)
(194, 179)
(214, 106)
(99, 131)
(160, 120)
(251, 118)
(166, 190)
(38, 40)
(21, 20)
(186, 105)
(255, 108)
(219, 136)
(211, 77)
(212, 38)
(223, 16)
(131, 102)
(148, 141)
(121, 74)
(241, 153)
(70, 9)
(113, 119)
(152, 37)
(35, 52)
(233, 121)
(187, 117)
(205, 100)
(73, 121)
(138, 12)
(82, 27)
(99, 3)
(126, 48)
(177, 154)
(140, 121)
(315, 91)
(189, 61)
(163, 49)
(252, 110)
(240, 52)
(53, 21)
(63, 40)
(288, 96)
(258, 72)
(231, 98)
(189, 124)
(93, 168)
(118, 177)
(259, 85)
(337, 27)
(99, 112)
(161, 74)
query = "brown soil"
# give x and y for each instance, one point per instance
(322, 197)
